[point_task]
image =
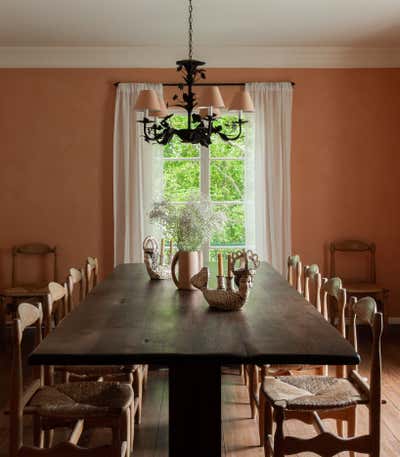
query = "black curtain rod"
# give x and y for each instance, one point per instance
(206, 84)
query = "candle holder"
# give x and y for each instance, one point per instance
(229, 283)
(221, 282)
(244, 257)
(222, 299)
(154, 262)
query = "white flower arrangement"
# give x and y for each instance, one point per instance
(189, 224)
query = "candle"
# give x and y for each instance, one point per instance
(220, 264)
(230, 272)
(162, 252)
(171, 246)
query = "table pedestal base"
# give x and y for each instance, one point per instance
(195, 409)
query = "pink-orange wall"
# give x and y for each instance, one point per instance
(56, 128)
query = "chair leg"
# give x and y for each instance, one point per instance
(132, 413)
(251, 382)
(279, 437)
(38, 433)
(48, 438)
(264, 419)
(138, 386)
(145, 369)
(339, 427)
(351, 426)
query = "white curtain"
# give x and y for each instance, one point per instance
(269, 169)
(137, 175)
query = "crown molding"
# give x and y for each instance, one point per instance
(219, 57)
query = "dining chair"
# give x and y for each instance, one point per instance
(312, 399)
(68, 449)
(72, 405)
(333, 303)
(56, 307)
(20, 289)
(75, 281)
(92, 273)
(294, 272)
(365, 285)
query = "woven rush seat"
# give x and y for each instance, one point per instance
(312, 392)
(82, 399)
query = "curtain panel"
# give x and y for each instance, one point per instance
(271, 175)
(136, 175)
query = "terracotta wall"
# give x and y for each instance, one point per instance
(56, 160)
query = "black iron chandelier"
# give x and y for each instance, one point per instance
(200, 127)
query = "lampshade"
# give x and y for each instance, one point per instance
(163, 111)
(147, 99)
(211, 96)
(242, 102)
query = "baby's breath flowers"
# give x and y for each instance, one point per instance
(189, 224)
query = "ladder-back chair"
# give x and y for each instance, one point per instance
(363, 286)
(294, 272)
(313, 399)
(92, 273)
(95, 404)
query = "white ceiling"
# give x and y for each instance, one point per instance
(355, 23)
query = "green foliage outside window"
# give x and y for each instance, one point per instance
(182, 167)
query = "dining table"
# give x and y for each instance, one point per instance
(130, 319)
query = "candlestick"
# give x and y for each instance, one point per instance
(220, 265)
(221, 282)
(230, 272)
(171, 247)
(162, 251)
(229, 283)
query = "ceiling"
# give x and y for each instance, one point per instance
(354, 23)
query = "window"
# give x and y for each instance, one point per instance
(219, 172)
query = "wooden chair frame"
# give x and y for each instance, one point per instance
(37, 249)
(75, 279)
(362, 287)
(327, 444)
(329, 290)
(30, 315)
(92, 273)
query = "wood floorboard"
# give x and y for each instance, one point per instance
(239, 431)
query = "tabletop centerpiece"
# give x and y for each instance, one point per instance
(190, 224)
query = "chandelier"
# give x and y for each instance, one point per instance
(202, 112)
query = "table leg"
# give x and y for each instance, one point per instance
(195, 409)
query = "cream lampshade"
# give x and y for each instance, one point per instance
(163, 111)
(242, 102)
(211, 96)
(147, 100)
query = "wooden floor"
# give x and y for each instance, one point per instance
(240, 435)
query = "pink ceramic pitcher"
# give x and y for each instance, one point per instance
(189, 264)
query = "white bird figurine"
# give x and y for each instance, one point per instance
(226, 300)
(151, 254)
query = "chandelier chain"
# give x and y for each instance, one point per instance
(190, 30)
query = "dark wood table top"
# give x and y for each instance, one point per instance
(128, 318)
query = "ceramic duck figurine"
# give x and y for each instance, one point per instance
(151, 255)
(226, 300)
